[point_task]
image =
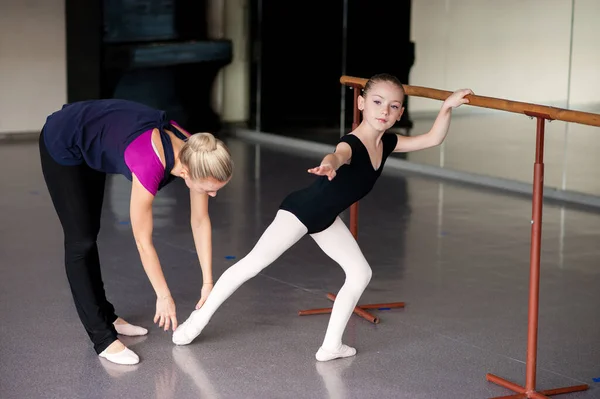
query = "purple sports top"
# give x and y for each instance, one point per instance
(113, 136)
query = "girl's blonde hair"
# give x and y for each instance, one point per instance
(206, 156)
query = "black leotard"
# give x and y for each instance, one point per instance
(318, 205)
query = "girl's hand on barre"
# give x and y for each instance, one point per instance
(323, 170)
(457, 98)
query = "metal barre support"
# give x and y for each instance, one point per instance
(529, 391)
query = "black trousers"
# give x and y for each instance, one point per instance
(77, 193)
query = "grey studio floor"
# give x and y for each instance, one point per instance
(457, 255)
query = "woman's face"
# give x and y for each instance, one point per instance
(208, 186)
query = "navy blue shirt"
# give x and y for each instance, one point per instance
(97, 132)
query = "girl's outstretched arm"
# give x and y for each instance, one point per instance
(331, 162)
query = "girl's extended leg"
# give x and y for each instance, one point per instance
(339, 244)
(284, 231)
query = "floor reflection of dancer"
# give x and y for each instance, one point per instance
(189, 364)
(332, 375)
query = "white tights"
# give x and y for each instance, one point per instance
(285, 230)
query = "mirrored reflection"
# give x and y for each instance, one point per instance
(165, 383)
(190, 364)
(332, 375)
(559, 73)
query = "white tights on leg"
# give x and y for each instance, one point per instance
(284, 231)
(339, 244)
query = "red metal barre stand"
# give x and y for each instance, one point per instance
(359, 310)
(529, 391)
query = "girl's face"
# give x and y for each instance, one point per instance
(382, 106)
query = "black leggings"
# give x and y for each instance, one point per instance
(77, 193)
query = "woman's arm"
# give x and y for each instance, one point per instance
(202, 232)
(142, 225)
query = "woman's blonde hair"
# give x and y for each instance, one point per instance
(206, 156)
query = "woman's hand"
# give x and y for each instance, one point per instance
(165, 312)
(206, 289)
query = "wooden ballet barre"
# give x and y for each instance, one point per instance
(551, 113)
(358, 310)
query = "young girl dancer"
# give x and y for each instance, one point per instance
(347, 175)
(79, 145)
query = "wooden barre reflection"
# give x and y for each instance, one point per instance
(551, 113)
(358, 310)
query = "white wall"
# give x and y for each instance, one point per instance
(585, 70)
(515, 49)
(216, 30)
(32, 63)
(236, 107)
(229, 19)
